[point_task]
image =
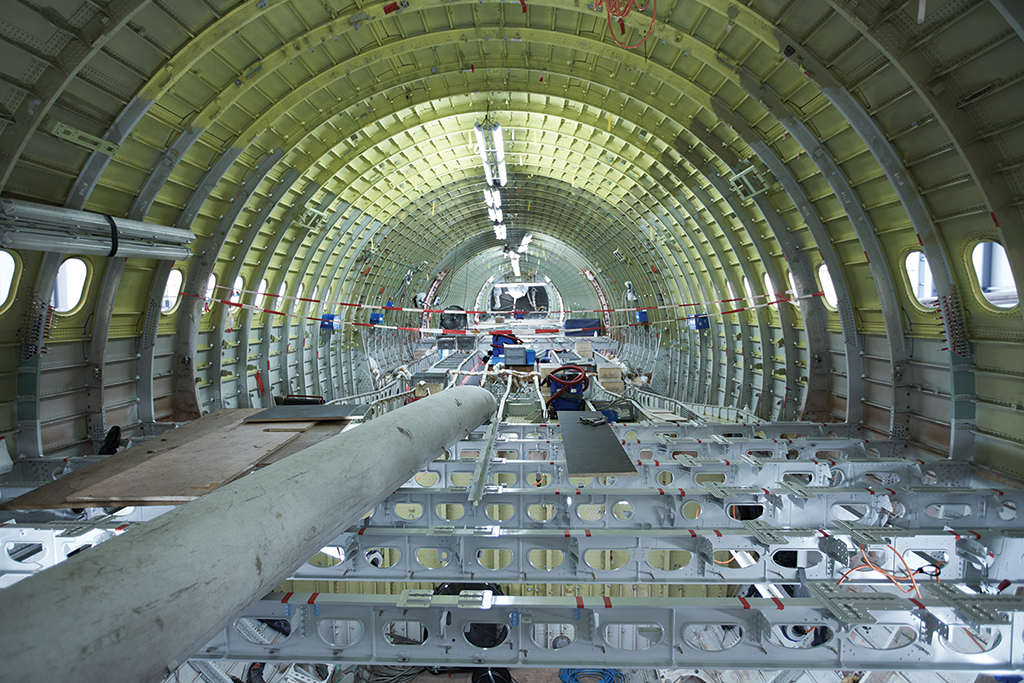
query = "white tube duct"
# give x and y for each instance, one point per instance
(137, 606)
(62, 241)
(17, 213)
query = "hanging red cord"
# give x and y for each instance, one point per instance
(620, 10)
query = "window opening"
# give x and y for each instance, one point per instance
(994, 277)
(260, 294)
(8, 268)
(827, 287)
(171, 291)
(770, 291)
(922, 285)
(67, 292)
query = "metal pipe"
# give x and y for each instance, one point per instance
(65, 242)
(30, 214)
(137, 606)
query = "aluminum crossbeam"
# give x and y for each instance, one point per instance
(419, 628)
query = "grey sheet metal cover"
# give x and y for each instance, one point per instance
(592, 450)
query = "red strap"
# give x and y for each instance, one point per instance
(579, 602)
(717, 533)
(607, 602)
(661, 492)
(693, 534)
(567, 534)
(312, 599)
(587, 532)
(286, 597)
(361, 531)
(919, 605)
(682, 493)
(746, 605)
(778, 603)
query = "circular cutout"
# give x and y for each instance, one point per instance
(382, 558)
(606, 481)
(836, 477)
(665, 478)
(340, 632)
(427, 479)
(405, 633)
(1008, 511)
(461, 479)
(712, 637)
(606, 560)
(408, 511)
(500, 512)
(508, 454)
(494, 558)
(948, 511)
(590, 513)
(622, 510)
(799, 636)
(433, 558)
(691, 510)
(541, 513)
(25, 553)
(971, 640)
(882, 636)
(450, 511)
(553, 636)
(633, 637)
(668, 560)
(546, 560)
(797, 559)
(331, 556)
(485, 635)
(538, 479)
(581, 482)
(506, 479)
(263, 631)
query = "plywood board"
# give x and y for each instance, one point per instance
(187, 472)
(592, 451)
(287, 426)
(56, 494)
(320, 432)
(315, 413)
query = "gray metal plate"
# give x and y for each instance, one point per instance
(593, 451)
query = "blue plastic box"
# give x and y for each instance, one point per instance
(331, 321)
(376, 318)
(573, 327)
(699, 322)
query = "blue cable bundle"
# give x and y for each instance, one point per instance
(592, 675)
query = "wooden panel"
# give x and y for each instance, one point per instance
(56, 493)
(592, 451)
(320, 432)
(288, 427)
(189, 471)
(318, 413)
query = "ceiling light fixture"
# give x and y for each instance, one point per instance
(491, 146)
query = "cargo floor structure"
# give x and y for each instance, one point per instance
(717, 548)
